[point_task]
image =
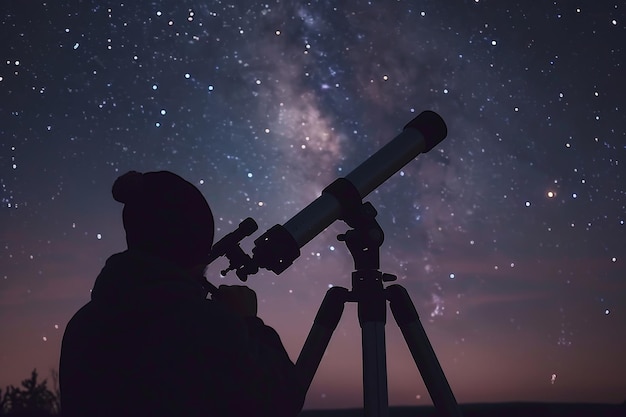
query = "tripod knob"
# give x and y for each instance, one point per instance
(389, 277)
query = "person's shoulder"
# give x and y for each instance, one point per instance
(83, 316)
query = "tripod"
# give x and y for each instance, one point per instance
(363, 242)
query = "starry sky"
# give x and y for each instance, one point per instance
(509, 236)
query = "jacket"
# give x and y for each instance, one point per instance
(150, 344)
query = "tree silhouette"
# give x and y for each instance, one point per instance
(34, 399)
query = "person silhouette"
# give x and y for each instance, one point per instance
(149, 342)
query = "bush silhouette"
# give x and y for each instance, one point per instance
(33, 399)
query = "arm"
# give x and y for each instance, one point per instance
(266, 375)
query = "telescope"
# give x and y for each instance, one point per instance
(279, 246)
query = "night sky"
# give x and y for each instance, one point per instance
(509, 235)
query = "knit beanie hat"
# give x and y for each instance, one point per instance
(166, 216)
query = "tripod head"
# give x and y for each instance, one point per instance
(364, 241)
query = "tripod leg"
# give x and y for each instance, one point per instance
(423, 354)
(375, 395)
(317, 341)
(372, 310)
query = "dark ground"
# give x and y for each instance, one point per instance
(494, 410)
(467, 410)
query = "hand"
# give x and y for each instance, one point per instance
(237, 298)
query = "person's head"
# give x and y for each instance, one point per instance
(166, 216)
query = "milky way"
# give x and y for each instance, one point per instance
(508, 235)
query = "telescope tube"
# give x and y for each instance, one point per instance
(279, 247)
